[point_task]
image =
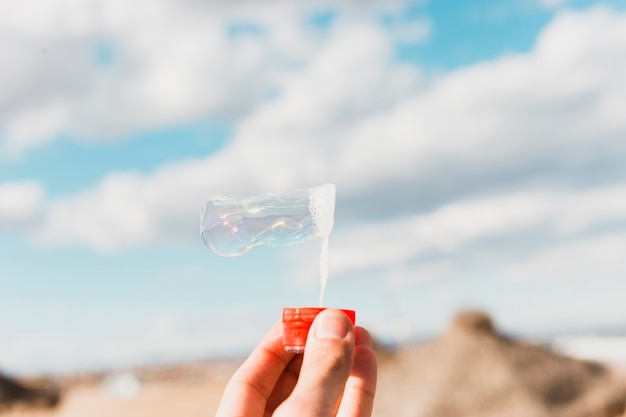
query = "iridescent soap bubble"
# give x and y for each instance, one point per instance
(232, 226)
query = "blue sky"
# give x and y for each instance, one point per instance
(477, 150)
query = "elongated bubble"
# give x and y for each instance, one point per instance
(232, 226)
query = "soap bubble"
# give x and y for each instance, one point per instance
(231, 226)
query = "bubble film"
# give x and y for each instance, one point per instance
(231, 226)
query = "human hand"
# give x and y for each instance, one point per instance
(336, 376)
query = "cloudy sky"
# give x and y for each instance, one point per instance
(478, 151)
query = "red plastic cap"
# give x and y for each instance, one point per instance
(297, 322)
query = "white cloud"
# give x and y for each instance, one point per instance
(402, 274)
(600, 258)
(557, 103)
(272, 152)
(169, 62)
(20, 203)
(36, 126)
(583, 309)
(354, 117)
(120, 67)
(129, 210)
(458, 226)
(530, 234)
(353, 76)
(115, 212)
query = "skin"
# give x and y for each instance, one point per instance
(335, 377)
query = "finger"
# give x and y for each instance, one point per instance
(247, 392)
(362, 337)
(325, 368)
(358, 397)
(288, 379)
(285, 385)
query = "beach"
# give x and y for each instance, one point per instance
(470, 370)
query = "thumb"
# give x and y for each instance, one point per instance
(325, 368)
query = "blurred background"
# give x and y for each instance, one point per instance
(477, 147)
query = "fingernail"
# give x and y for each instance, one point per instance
(332, 325)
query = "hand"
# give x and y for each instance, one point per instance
(336, 376)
